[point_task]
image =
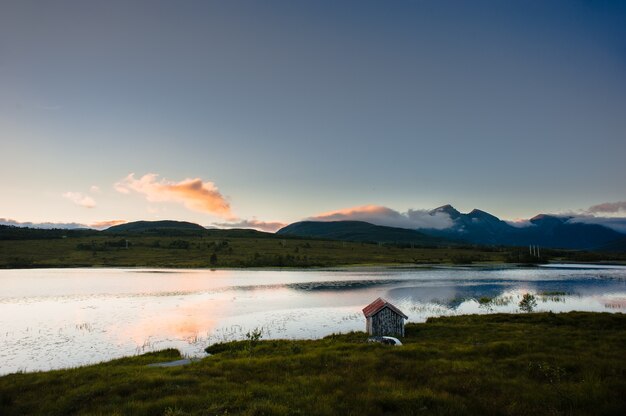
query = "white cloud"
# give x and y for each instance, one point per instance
(99, 225)
(380, 215)
(44, 225)
(616, 224)
(608, 208)
(80, 199)
(520, 223)
(269, 226)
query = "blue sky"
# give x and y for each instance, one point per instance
(285, 110)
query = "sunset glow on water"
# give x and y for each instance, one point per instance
(57, 318)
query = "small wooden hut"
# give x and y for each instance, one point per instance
(382, 318)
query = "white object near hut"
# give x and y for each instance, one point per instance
(383, 318)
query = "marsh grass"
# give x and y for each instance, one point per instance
(220, 248)
(211, 252)
(535, 363)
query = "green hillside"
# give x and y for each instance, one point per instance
(360, 231)
(10, 232)
(155, 227)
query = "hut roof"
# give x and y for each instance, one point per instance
(379, 304)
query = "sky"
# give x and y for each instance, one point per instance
(264, 113)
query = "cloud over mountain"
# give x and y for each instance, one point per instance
(99, 225)
(606, 214)
(194, 194)
(102, 225)
(617, 224)
(44, 225)
(380, 215)
(608, 208)
(269, 226)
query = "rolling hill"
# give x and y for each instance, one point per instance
(359, 231)
(152, 227)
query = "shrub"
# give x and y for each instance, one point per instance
(253, 338)
(528, 303)
(180, 244)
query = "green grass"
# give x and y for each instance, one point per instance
(31, 248)
(543, 364)
(217, 251)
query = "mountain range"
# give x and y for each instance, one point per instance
(475, 227)
(480, 227)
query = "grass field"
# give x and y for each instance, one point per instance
(220, 251)
(541, 364)
(243, 249)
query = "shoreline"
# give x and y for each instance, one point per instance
(471, 364)
(340, 267)
(206, 355)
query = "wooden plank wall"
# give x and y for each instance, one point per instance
(386, 322)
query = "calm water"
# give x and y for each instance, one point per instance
(56, 318)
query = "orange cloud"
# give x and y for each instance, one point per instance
(80, 199)
(101, 225)
(354, 213)
(194, 194)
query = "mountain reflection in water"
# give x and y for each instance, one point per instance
(55, 318)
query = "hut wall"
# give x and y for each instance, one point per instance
(386, 322)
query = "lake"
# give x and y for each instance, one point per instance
(58, 318)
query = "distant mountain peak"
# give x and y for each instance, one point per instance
(479, 214)
(447, 209)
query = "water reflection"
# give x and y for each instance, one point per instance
(62, 318)
(186, 321)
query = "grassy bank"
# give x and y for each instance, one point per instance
(485, 365)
